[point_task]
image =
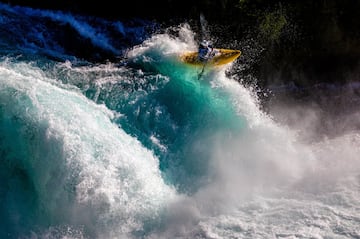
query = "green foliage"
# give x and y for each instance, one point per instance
(272, 25)
(242, 3)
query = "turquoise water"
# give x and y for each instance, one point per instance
(76, 139)
(148, 147)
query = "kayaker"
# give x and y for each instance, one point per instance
(205, 50)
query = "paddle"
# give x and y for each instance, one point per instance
(207, 60)
(202, 71)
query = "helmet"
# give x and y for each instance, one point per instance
(204, 44)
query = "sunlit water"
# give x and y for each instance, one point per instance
(148, 147)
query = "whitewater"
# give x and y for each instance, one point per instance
(143, 147)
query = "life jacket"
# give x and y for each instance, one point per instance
(204, 52)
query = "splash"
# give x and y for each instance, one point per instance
(250, 162)
(83, 169)
(144, 149)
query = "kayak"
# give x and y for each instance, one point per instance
(220, 57)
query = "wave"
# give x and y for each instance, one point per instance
(145, 148)
(64, 153)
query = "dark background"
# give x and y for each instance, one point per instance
(306, 41)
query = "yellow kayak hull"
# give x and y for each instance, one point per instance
(222, 57)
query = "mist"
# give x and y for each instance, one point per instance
(296, 155)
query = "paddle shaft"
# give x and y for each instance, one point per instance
(207, 60)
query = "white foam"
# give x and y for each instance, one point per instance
(118, 179)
